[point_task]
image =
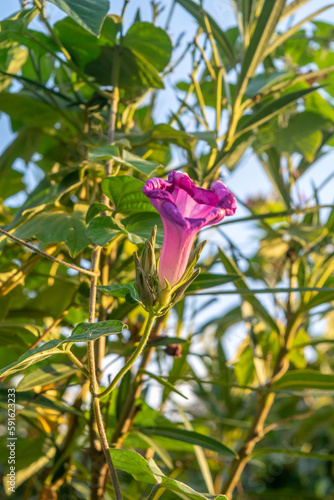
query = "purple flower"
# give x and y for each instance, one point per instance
(184, 209)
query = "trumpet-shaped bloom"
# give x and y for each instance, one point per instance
(185, 209)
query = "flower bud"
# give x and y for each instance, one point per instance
(147, 259)
(165, 295)
(145, 284)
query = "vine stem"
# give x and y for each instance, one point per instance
(266, 401)
(153, 491)
(132, 358)
(254, 435)
(48, 256)
(94, 386)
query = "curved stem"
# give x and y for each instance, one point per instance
(132, 358)
(153, 492)
(266, 401)
(48, 256)
(94, 386)
(78, 363)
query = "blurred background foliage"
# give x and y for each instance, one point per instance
(83, 97)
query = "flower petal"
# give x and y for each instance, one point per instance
(226, 199)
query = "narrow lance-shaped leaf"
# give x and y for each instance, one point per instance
(305, 379)
(190, 437)
(220, 37)
(272, 109)
(288, 34)
(254, 54)
(46, 375)
(163, 382)
(209, 280)
(231, 267)
(83, 332)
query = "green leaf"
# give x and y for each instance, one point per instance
(23, 146)
(301, 135)
(44, 195)
(128, 159)
(131, 462)
(133, 161)
(266, 112)
(159, 450)
(95, 209)
(30, 398)
(295, 453)
(136, 73)
(223, 43)
(151, 42)
(292, 7)
(127, 291)
(231, 267)
(11, 183)
(265, 25)
(209, 280)
(178, 486)
(14, 334)
(164, 341)
(81, 45)
(16, 58)
(263, 81)
(103, 153)
(46, 375)
(134, 464)
(304, 379)
(87, 13)
(244, 368)
(84, 332)
(31, 357)
(27, 110)
(122, 393)
(126, 193)
(102, 229)
(145, 50)
(53, 227)
(280, 39)
(139, 227)
(167, 134)
(163, 382)
(272, 166)
(190, 437)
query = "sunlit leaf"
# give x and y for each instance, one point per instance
(148, 472)
(87, 13)
(52, 227)
(209, 280)
(127, 291)
(84, 332)
(46, 375)
(305, 379)
(190, 437)
(102, 229)
(126, 193)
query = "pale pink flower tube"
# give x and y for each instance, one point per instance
(184, 209)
